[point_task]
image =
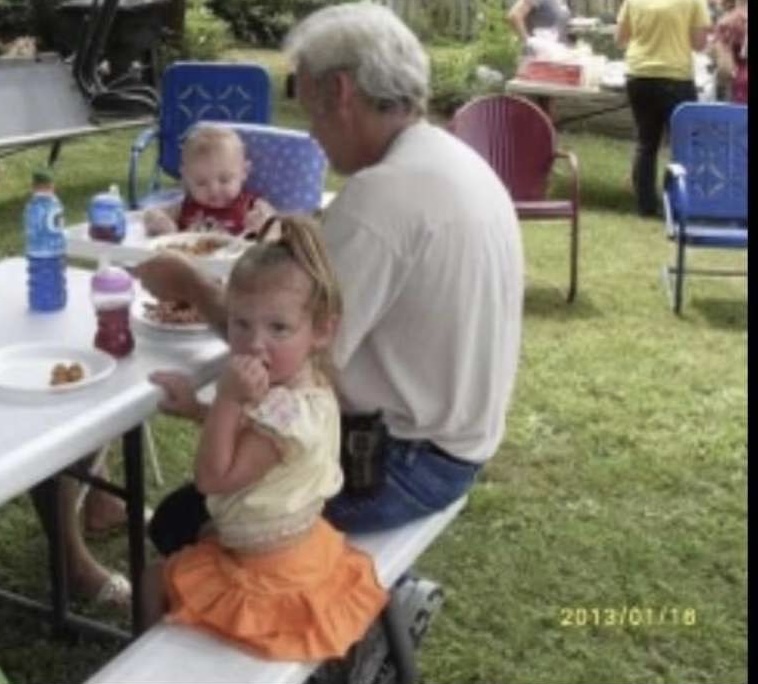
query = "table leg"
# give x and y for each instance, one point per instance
(57, 558)
(63, 621)
(135, 510)
(545, 103)
(588, 115)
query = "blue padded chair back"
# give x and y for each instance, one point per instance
(710, 141)
(201, 91)
(288, 166)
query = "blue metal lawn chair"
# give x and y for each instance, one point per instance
(192, 92)
(705, 187)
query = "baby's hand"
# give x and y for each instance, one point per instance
(244, 380)
(157, 222)
(257, 215)
(179, 399)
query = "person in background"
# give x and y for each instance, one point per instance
(729, 50)
(101, 512)
(717, 7)
(659, 37)
(213, 172)
(527, 15)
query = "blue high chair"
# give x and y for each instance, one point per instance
(192, 92)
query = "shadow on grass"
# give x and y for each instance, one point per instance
(542, 300)
(598, 193)
(727, 314)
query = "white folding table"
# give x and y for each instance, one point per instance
(41, 438)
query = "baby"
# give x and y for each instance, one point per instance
(213, 172)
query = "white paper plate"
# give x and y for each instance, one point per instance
(25, 369)
(141, 319)
(231, 248)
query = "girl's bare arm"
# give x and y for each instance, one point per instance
(231, 455)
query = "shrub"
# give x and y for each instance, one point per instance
(206, 36)
(15, 19)
(452, 79)
(497, 45)
(264, 22)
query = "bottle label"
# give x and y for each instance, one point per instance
(43, 225)
(46, 283)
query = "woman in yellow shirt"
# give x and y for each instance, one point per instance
(659, 37)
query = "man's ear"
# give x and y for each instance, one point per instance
(343, 90)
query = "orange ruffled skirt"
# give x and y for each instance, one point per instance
(308, 601)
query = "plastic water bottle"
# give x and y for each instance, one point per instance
(107, 218)
(112, 292)
(45, 246)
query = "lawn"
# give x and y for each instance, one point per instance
(619, 492)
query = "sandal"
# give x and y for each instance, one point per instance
(115, 591)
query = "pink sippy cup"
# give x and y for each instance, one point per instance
(112, 293)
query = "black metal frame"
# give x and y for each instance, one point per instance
(63, 621)
(117, 95)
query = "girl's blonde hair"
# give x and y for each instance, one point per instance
(204, 139)
(298, 243)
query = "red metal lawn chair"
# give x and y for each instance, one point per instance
(519, 141)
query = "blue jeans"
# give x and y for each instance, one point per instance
(418, 481)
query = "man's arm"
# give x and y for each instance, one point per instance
(699, 39)
(701, 27)
(173, 277)
(517, 17)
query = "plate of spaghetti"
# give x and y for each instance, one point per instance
(201, 245)
(169, 316)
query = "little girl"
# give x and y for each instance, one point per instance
(213, 173)
(271, 573)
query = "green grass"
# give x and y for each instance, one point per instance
(621, 481)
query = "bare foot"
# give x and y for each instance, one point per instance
(103, 511)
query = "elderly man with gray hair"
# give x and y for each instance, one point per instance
(426, 245)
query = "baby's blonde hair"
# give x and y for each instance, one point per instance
(299, 244)
(205, 139)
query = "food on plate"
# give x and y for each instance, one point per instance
(200, 246)
(172, 312)
(63, 374)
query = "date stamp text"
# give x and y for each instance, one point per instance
(627, 616)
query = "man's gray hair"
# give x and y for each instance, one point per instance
(386, 59)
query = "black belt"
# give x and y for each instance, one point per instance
(433, 448)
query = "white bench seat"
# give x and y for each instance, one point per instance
(175, 654)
